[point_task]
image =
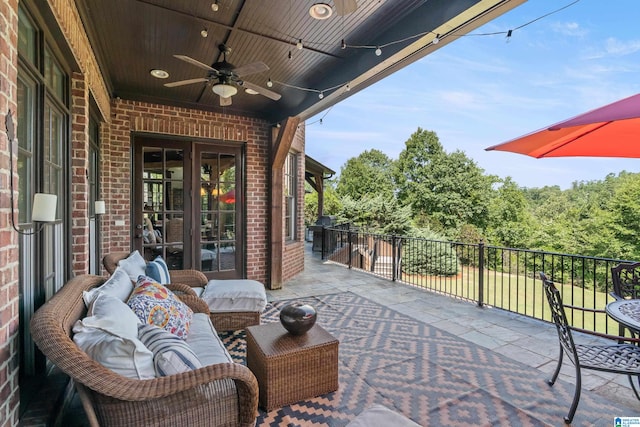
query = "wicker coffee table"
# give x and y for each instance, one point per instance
(291, 368)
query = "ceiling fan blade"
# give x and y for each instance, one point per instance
(195, 62)
(225, 102)
(253, 68)
(262, 91)
(345, 7)
(186, 82)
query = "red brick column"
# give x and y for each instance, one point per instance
(79, 167)
(9, 338)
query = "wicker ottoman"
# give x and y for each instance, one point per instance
(291, 368)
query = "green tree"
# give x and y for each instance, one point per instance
(624, 209)
(436, 258)
(444, 190)
(376, 214)
(369, 174)
(332, 204)
(509, 217)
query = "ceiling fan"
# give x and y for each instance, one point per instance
(225, 77)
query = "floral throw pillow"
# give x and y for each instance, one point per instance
(156, 305)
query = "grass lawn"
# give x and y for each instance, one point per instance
(522, 294)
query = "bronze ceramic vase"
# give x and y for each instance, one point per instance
(298, 318)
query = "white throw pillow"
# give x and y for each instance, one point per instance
(134, 265)
(118, 285)
(109, 335)
(112, 315)
(171, 355)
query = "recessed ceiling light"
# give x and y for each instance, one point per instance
(250, 91)
(320, 11)
(159, 74)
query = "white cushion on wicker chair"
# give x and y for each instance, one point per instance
(118, 285)
(109, 335)
(135, 265)
(205, 343)
(235, 295)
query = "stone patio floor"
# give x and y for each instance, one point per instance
(526, 340)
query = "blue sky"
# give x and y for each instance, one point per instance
(480, 91)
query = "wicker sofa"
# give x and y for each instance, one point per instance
(223, 394)
(196, 281)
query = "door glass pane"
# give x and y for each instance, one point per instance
(163, 225)
(26, 37)
(25, 135)
(217, 206)
(53, 75)
(174, 174)
(53, 146)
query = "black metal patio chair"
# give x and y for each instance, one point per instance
(617, 357)
(626, 285)
(626, 280)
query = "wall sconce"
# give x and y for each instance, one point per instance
(44, 207)
(100, 208)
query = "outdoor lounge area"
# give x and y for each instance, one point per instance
(431, 358)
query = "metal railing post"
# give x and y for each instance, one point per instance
(324, 236)
(393, 257)
(481, 273)
(349, 237)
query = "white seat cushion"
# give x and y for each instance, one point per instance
(235, 295)
(205, 343)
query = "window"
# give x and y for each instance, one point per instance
(290, 196)
(43, 157)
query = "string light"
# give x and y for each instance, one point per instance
(204, 33)
(378, 51)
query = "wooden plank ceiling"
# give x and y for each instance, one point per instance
(132, 37)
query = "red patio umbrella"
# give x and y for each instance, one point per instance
(609, 131)
(228, 197)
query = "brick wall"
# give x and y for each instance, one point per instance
(9, 393)
(79, 166)
(129, 116)
(293, 252)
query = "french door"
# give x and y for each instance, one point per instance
(188, 205)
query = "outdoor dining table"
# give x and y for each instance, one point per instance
(626, 312)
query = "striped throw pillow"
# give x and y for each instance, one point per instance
(171, 355)
(158, 271)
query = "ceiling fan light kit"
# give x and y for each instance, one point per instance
(224, 90)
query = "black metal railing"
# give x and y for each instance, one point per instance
(506, 278)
